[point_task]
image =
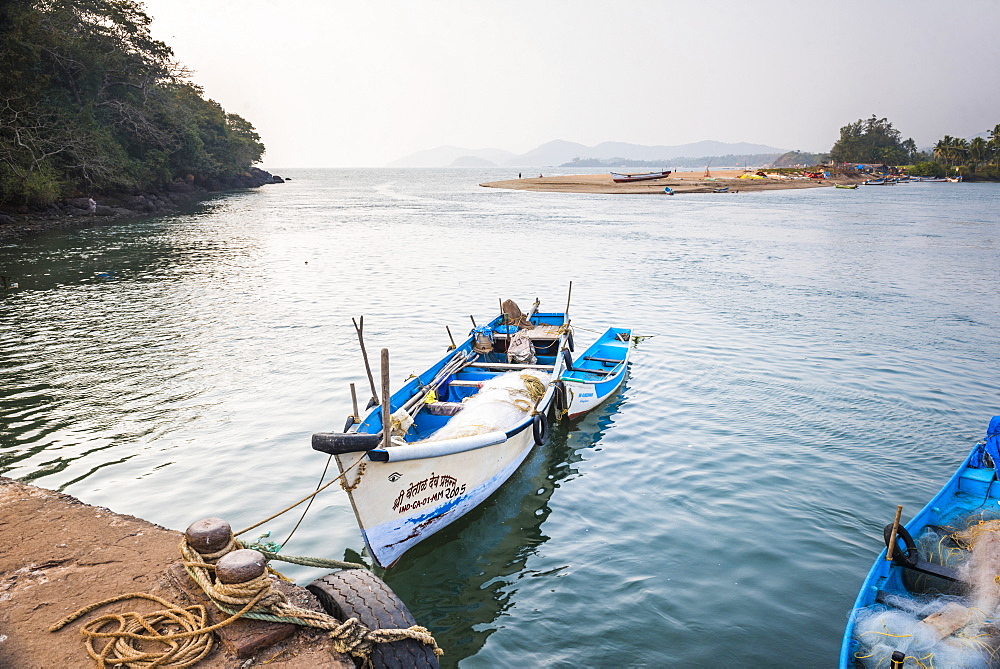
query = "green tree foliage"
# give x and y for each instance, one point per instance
(872, 140)
(976, 158)
(89, 101)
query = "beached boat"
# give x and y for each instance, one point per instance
(880, 182)
(935, 597)
(596, 374)
(668, 190)
(850, 186)
(724, 189)
(955, 179)
(932, 179)
(625, 178)
(458, 430)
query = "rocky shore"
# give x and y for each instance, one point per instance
(75, 212)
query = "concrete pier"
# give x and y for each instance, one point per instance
(58, 555)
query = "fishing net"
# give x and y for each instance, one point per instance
(948, 624)
(501, 403)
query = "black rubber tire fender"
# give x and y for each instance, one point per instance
(910, 556)
(567, 361)
(358, 593)
(540, 428)
(560, 398)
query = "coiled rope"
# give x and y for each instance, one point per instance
(129, 643)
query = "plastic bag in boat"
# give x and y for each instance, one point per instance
(501, 403)
(520, 351)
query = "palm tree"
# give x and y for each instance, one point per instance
(942, 149)
(979, 151)
(995, 143)
(960, 149)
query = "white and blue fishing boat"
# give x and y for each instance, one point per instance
(596, 374)
(933, 595)
(619, 178)
(461, 428)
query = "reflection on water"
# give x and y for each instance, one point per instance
(477, 562)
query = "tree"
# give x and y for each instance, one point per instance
(872, 140)
(979, 152)
(90, 101)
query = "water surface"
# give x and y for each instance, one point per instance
(815, 358)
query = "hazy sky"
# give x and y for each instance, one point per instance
(332, 83)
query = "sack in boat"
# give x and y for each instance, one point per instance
(513, 316)
(520, 351)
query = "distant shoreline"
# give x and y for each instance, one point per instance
(678, 182)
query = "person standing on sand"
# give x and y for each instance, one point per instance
(518, 175)
(91, 205)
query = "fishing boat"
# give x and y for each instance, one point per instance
(955, 179)
(932, 179)
(668, 190)
(625, 178)
(933, 593)
(460, 429)
(724, 189)
(596, 374)
(850, 186)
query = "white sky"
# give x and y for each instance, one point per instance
(345, 84)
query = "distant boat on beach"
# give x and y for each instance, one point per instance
(625, 178)
(852, 186)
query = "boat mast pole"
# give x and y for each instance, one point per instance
(568, 296)
(386, 410)
(368, 368)
(892, 536)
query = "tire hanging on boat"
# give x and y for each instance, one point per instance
(358, 593)
(560, 399)
(540, 428)
(910, 557)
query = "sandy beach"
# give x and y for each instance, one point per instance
(679, 182)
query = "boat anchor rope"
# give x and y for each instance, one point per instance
(242, 588)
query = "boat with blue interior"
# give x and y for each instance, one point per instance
(933, 595)
(460, 429)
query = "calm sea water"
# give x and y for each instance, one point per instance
(814, 359)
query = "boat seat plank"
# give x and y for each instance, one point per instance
(607, 360)
(468, 383)
(568, 374)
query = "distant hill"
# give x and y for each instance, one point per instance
(800, 159)
(728, 160)
(559, 152)
(445, 156)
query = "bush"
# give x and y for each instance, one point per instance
(927, 169)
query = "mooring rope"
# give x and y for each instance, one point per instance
(128, 644)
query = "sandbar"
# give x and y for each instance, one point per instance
(679, 183)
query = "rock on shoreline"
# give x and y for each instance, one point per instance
(75, 212)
